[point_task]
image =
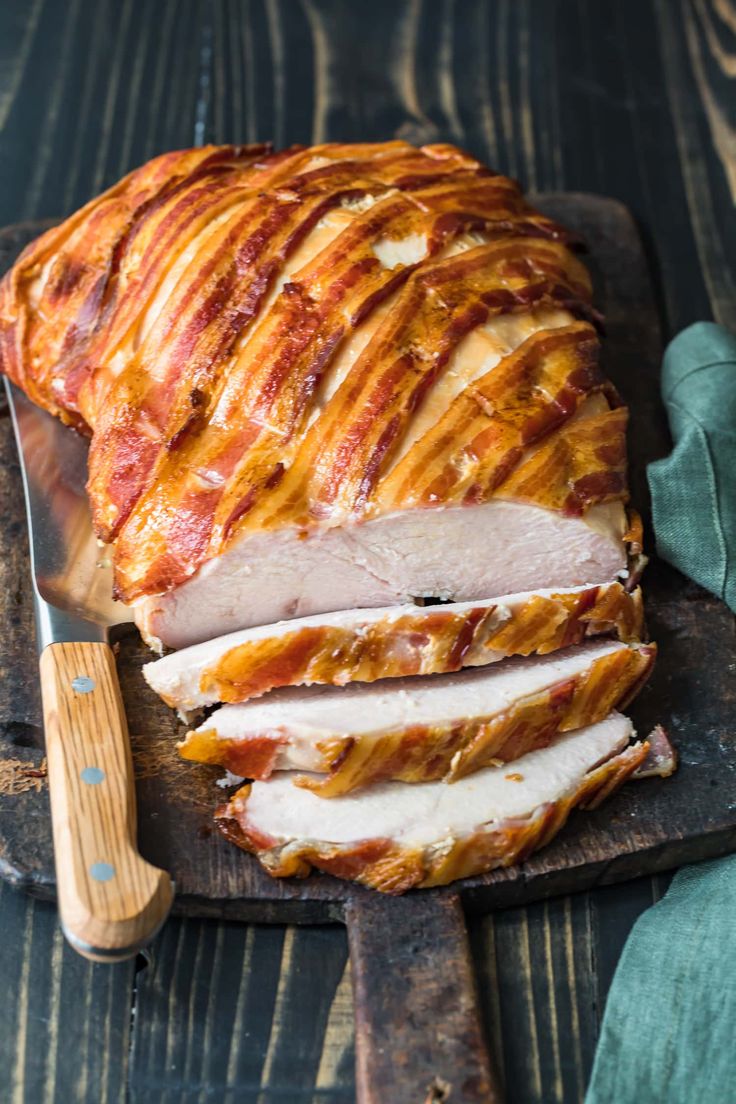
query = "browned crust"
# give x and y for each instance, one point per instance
(661, 761)
(251, 757)
(43, 346)
(390, 867)
(423, 753)
(466, 456)
(421, 642)
(433, 640)
(219, 440)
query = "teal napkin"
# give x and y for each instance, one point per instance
(694, 488)
(669, 1030)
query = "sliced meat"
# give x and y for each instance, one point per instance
(394, 837)
(461, 554)
(365, 645)
(420, 729)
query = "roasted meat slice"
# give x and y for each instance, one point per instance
(364, 645)
(420, 729)
(461, 553)
(394, 837)
(329, 378)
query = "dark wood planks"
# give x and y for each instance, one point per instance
(65, 1023)
(236, 1013)
(633, 99)
(544, 972)
(239, 1012)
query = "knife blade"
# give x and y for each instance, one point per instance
(111, 901)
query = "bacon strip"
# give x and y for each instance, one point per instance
(51, 299)
(428, 642)
(163, 393)
(352, 441)
(582, 465)
(484, 433)
(149, 405)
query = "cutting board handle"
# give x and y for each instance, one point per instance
(111, 901)
(418, 1032)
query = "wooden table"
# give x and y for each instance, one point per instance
(633, 99)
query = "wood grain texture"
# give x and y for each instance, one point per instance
(65, 1022)
(417, 1022)
(586, 96)
(111, 901)
(234, 1013)
(544, 972)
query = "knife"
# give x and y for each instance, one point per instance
(111, 901)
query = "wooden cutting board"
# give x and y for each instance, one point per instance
(418, 1023)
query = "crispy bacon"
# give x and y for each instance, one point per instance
(50, 301)
(344, 454)
(394, 866)
(185, 319)
(483, 435)
(391, 643)
(575, 469)
(420, 753)
(661, 760)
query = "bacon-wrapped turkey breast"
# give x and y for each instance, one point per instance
(322, 386)
(328, 378)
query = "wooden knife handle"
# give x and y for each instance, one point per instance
(111, 901)
(418, 1032)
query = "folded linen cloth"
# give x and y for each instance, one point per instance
(694, 488)
(669, 1030)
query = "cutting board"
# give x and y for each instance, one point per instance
(418, 1027)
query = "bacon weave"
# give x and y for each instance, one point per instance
(197, 318)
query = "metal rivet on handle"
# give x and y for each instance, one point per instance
(102, 871)
(92, 775)
(83, 684)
